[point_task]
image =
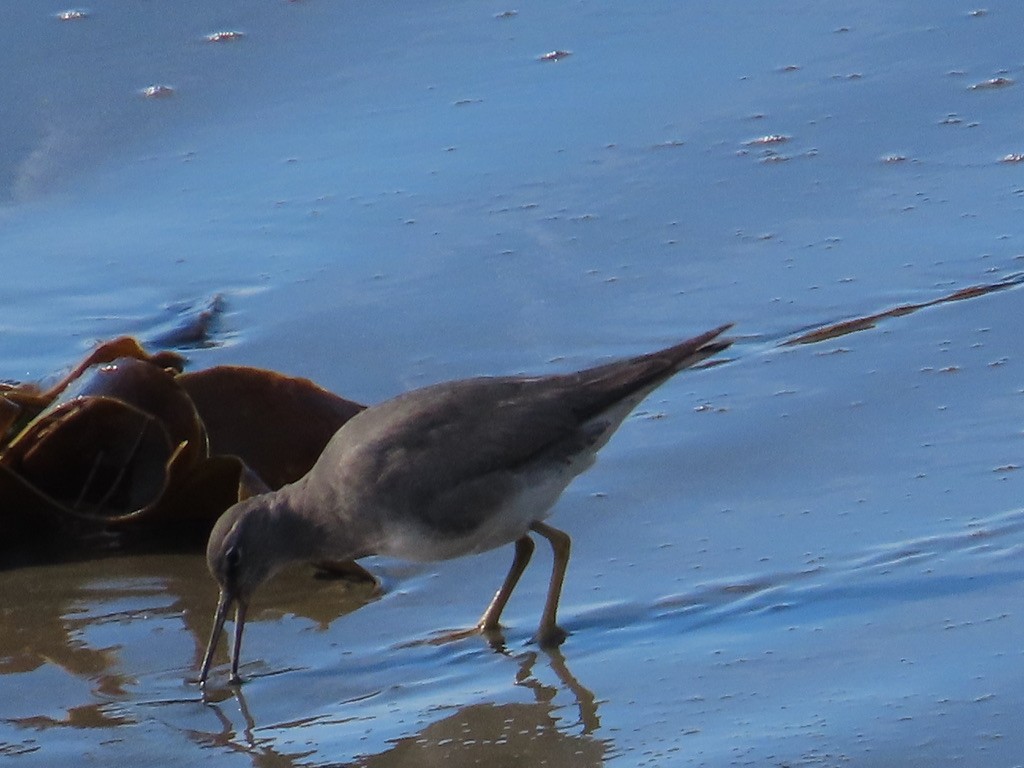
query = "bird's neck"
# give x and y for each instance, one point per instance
(307, 530)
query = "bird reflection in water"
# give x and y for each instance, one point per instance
(493, 734)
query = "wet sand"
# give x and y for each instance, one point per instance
(807, 556)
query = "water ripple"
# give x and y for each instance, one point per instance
(982, 554)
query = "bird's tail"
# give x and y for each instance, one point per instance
(634, 378)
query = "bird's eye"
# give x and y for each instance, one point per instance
(232, 559)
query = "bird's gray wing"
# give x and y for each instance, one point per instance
(453, 450)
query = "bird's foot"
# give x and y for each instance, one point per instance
(550, 636)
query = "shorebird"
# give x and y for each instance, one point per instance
(440, 472)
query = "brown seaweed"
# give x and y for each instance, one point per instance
(278, 425)
(127, 451)
(844, 327)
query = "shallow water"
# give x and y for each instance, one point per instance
(808, 556)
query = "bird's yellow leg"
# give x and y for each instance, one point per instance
(549, 634)
(491, 620)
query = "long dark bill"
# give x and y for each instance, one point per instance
(223, 604)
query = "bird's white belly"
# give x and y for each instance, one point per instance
(508, 522)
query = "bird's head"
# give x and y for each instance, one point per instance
(243, 552)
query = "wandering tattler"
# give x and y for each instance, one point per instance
(448, 470)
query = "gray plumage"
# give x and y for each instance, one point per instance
(440, 472)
